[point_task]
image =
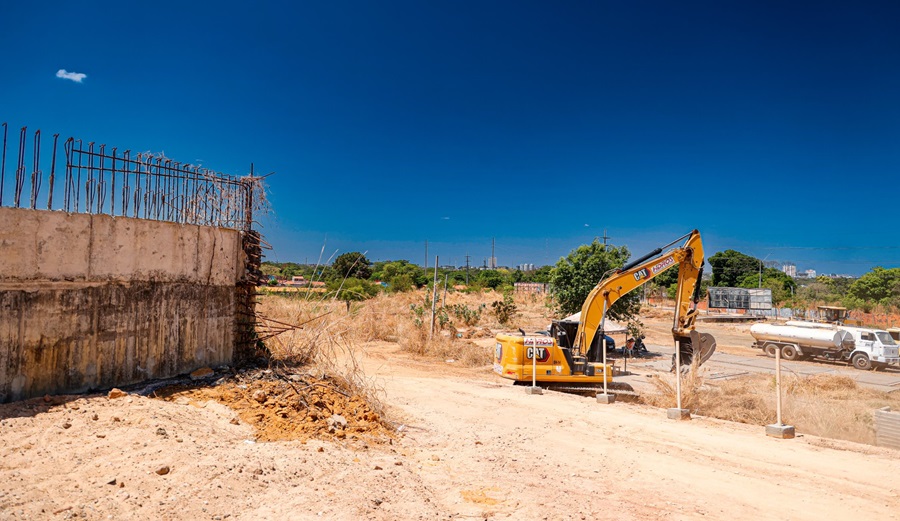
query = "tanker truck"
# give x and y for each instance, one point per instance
(836, 343)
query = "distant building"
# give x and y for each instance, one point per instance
(531, 287)
(790, 270)
(303, 282)
(810, 274)
(525, 267)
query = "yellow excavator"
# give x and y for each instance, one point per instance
(556, 360)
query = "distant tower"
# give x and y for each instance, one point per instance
(493, 256)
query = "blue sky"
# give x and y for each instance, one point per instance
(774, 129)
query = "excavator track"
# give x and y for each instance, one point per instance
(585, 390)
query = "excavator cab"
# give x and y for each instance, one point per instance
(833, 314)
(564, 332)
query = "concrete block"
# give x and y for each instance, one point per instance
(678, 414)
(784, 432)
(534, 390)
(606, 398)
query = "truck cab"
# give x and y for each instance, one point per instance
(895, 333)
(874, 347)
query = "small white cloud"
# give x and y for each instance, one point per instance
(77, 77)
(587, 225)
(445, 218)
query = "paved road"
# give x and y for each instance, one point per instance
(723, 365)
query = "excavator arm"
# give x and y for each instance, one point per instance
(689, 259)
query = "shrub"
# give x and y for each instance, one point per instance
(505, 310)
(465, 314)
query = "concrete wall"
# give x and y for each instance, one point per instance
(93, 301)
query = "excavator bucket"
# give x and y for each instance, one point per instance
(700, 347)
(704, 346)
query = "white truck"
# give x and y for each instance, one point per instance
(874, 348)
(861, 347)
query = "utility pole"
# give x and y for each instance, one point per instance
(434, 289)
(467, 269)
(493, 256)
(605, 238)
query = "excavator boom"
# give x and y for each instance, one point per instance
(689, 259)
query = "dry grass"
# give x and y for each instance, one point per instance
(331, 336)
(830, 406)
(392, 318)
(325, 345)
(397, 322)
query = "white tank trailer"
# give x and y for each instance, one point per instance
(798, 343)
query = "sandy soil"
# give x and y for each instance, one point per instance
(470, 446)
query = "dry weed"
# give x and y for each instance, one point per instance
(666, 386)
(325, 344)
(380, 318)
(830, 406)
(330, 337)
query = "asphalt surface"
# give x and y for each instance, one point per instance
(723, 366)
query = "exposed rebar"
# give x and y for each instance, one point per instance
(147, 186)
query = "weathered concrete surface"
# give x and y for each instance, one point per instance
(72, 340)
(56, 246)
(92, 301)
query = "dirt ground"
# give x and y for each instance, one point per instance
(466, 445)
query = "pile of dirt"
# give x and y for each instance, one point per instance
(290, 406)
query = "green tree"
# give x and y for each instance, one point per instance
(400, 274)
(817, 291)
(576, 275)
(270, 268)
(352, 290)
(401, 283)
(351, 265)
(541, 274)
(672, 290)
(730, 267)
(781, 284)
(879, 286)
(490, 278)
(459, 276)
(292, 269)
